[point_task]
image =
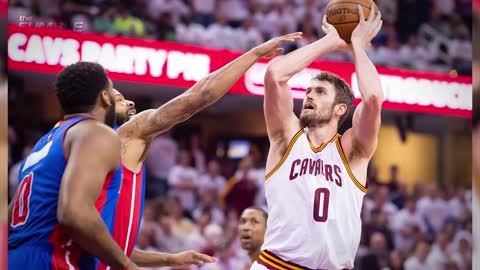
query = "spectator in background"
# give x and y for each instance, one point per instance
(377, 259)
(187, 31)
(433, 208)
(235, 11)
(399, 198)
(418, 261)
(198, 154)
(462, 256)
(220, 34)
(460, 50)
(212, 181)
(242, 188)
(175, 7)
(16, 11)
(125, 24)
(389, 10)
(103, 24)
(225, 259)
(458, 206)
(403, 224)
(309, 10)
(251, 230)
(161, 159)
(381, 201)
(378, 223)
(183, 179)
(164, 27)
(14, 172)
(413, 56)
(209, 205)
(395, 261)
(250, 36)
(165, 239)
(213, 235)
(439, 256)
(393, 182)
(203, 11)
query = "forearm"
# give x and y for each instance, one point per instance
(369, 83)
(150, 259)
(220, 81)
(294, 62)
(88, 230)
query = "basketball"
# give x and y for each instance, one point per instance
(343, 15)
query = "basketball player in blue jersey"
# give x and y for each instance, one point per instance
(137, 132)
(316, 178)
(67, 181)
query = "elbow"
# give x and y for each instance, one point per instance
(66, 216)
(274, 75)
(204, 94)
(374, 100)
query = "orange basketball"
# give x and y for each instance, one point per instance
(343, 14)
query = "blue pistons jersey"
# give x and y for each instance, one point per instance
(36, 240)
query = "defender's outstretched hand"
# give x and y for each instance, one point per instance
(189, 258)
(272, 48)
(366, 30)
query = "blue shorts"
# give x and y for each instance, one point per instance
(30, 258)
(40, 257)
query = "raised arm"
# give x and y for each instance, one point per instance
(366, 119)
(278, 103)
(150, 123)
(81, 185)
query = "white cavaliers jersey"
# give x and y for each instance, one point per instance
(314, 205)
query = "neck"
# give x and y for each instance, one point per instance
(322, 134)
(253, 255)
(95, 114)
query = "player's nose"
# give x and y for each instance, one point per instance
(131, 104)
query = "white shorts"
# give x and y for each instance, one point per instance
(257, 266)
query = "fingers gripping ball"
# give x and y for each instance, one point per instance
(343, 15)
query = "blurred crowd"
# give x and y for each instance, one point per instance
(417, 34)
(194, 200)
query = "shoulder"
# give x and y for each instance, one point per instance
(134, 124)
(94, 133)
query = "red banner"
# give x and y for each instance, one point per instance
(44, 49)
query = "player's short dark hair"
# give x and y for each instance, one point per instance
(78, 86)
(263, 212)
(343, 92)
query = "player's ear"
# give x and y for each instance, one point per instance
(105, 98)
(341, 109)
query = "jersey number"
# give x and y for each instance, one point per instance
(21, 208)
(320, 204)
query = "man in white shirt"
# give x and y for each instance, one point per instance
(160, 161)
(183, 181)
(433, 208)
(438, 256)
(403, 223)
(419, 260)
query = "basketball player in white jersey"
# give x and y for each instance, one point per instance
(316, 178)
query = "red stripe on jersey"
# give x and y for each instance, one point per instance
(102, 198)
(65, 253)
(127, 213)
(136, 212)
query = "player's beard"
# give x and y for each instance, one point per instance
(120, 119)
(110, 117)
(315, 118)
